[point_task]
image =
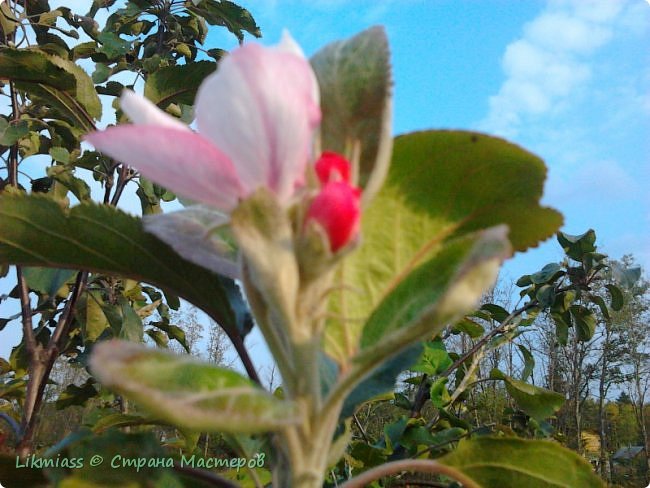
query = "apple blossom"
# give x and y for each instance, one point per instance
(255, 115)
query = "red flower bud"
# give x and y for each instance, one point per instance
(337, 209)
(332, 167)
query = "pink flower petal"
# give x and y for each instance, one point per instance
(180, 160)
(142, 111)
(261, 109)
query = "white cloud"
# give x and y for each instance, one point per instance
(550, 62)
(607, 179)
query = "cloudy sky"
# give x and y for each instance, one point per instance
(568, 80)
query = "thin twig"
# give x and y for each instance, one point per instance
(361, 429)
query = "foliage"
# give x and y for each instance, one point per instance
(441, 211)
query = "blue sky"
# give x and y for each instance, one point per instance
(568, 80)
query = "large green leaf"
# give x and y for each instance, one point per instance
(187, 393)
(512, 462)
(354, 78)
(441, 185)
(177, 84)
(36, 231)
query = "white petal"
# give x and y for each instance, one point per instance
(288, 44)
(261, 109)
(142, 111)
(180, 160)
(193, 233)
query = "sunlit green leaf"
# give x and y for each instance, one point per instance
(512, 462)
(441, 185)
(35, 230)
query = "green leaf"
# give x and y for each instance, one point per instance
(529, 362)
(235, 18)
(36, 231)
(549, 273)
(131, 329)
(563, 301)
(434, 360)
(60, 154)
(617, 297)
(585, 322)
(32, 66)
(600, 302)
(58, 82)
(441, 185)
(178, 83)
(187, 393)
(577, 246)
(382, 379)
(438, 393)
(497, 312)
(158, 337)
(47, 280)
(112, 445)
(90, 313)
(545, 295)
(8, 20)
(562, 324)
(11, 132)
(184, 49)
(512, 462)
(64, 175)
(76, 395)
(437, 292)
(101, 73)
(469, 327)
(174, 332)
(539, 403)
(84, 91)
(113, 45)
(354, 78)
